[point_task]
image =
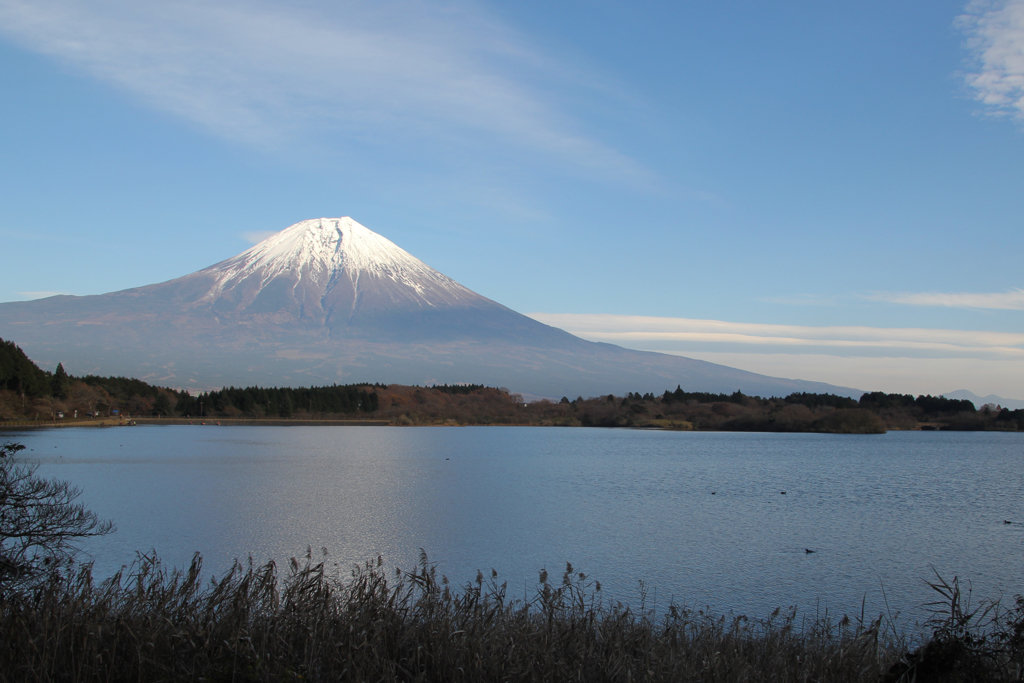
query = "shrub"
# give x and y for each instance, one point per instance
(968, 644)
(850, 421)
(39, 522)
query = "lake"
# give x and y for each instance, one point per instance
(701, 517)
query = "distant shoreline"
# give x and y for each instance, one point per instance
(303, 422)
(258, 422)
(207, 422)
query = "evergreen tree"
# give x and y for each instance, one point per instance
(60, 384)
(286, 404)
(187, 405)
(162, 405)
(21, 375)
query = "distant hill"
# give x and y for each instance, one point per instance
(979, 401)
(330, 301)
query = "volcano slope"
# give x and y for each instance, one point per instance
(329, 301)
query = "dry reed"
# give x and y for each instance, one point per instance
(148, 623)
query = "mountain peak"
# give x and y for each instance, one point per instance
(342, 278)
(329, 300)
(320, 250)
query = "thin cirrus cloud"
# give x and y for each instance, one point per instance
(1013, 300)
(265, 73)
(257, 236)
(39, 295)
(679, 335)
(995, 39)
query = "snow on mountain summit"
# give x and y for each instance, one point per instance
(328, 300)
(320, 252)
(321, 248)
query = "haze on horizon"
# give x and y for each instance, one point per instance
(823, 193)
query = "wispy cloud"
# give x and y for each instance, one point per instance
(257, 236)
(906, 360)
(888, 373)
(995, 38)
(677, 335)
(1013, 300)
(38, 295)
(265, 73)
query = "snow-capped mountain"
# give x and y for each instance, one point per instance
(331, 267)
(333, 276)
(329, 300)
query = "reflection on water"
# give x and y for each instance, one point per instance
(700, 517)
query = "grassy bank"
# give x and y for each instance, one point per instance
(259, 624)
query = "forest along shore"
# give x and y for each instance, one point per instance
(32, 397)
(462, 405)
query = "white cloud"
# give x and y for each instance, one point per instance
(911, 360)
(674, 335)
(257, 236)
(995, 38)
(629, 330)
(1012, 300)
(892, 374)
(265, 73)
(38, 295)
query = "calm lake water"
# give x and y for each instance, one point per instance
(699, 517)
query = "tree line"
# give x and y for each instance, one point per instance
(281, 402)
(18, 374)
(27, 391)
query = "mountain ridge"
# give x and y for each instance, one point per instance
(329, 300)
(979, 401)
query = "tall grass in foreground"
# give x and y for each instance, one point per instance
(151, 624)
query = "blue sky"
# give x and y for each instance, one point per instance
(812, 190)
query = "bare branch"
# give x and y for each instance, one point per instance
(40, 521)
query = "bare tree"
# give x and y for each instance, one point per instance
(40, 521)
